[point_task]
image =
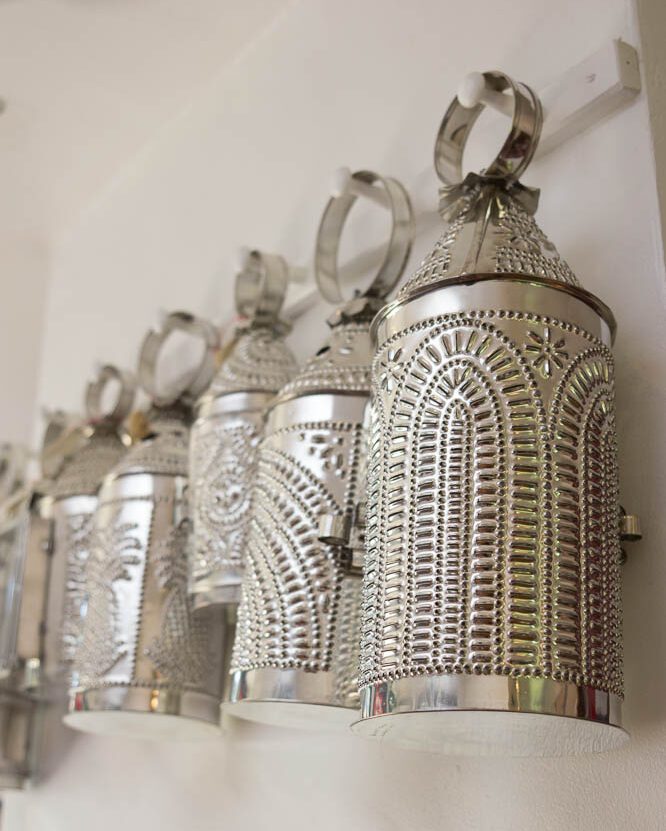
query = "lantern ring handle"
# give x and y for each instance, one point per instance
(124, 400)
(196, 380)
(489, 89)
(391, 194)
(261, 286)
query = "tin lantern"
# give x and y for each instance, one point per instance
(491, 616)
(295, 655)
(228, 427)
(147, 664)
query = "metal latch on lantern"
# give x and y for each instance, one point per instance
(630, 529)
(347, 532)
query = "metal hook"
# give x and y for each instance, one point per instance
(389, 193)
(261, 285)
(105, 374)
(195, 381)
(497, 90)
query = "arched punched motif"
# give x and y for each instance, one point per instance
(587, 604)
(292, 582)
(455, 532)
(457, 550)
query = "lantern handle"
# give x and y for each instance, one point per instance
(499, 91)
(194, 382)
(106, 374)
(388, 193)
(261, 285)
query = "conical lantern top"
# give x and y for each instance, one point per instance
(95, 446)
(491, 230)
(343, 362)
(257, 358)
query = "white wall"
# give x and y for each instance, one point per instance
(365, 84)
(24, 272)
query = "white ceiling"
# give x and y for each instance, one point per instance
(88, 82)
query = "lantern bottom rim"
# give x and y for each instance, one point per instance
(144, 712)
(299, 715)
(464, 715)
(288, 698)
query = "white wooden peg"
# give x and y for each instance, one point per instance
(473, 91)
(343, 182)
(581, 97)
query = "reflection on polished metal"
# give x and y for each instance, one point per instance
(491, 615)
(296, 651)
(25, 547)
(147, 664)
(92, 451)
(228, 427)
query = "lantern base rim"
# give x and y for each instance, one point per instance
(299, 715)
(465, 715)
(288, 698)
(144, 712)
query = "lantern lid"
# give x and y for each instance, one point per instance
(491, 230)
(257, 359)
(82, 474)
(93, 448)
(343, 363)
(491, 226)
(164, 449)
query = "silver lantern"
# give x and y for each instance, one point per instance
(147, 664)
(228, 427)
(25, 557)
(491, 616)
(93, 450)
(295, 654)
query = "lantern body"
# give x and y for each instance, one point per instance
(295, 655)
(225, 436)
(73, 498)
(146, 663)
(492, 597)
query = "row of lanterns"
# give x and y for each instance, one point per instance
(416, 533)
